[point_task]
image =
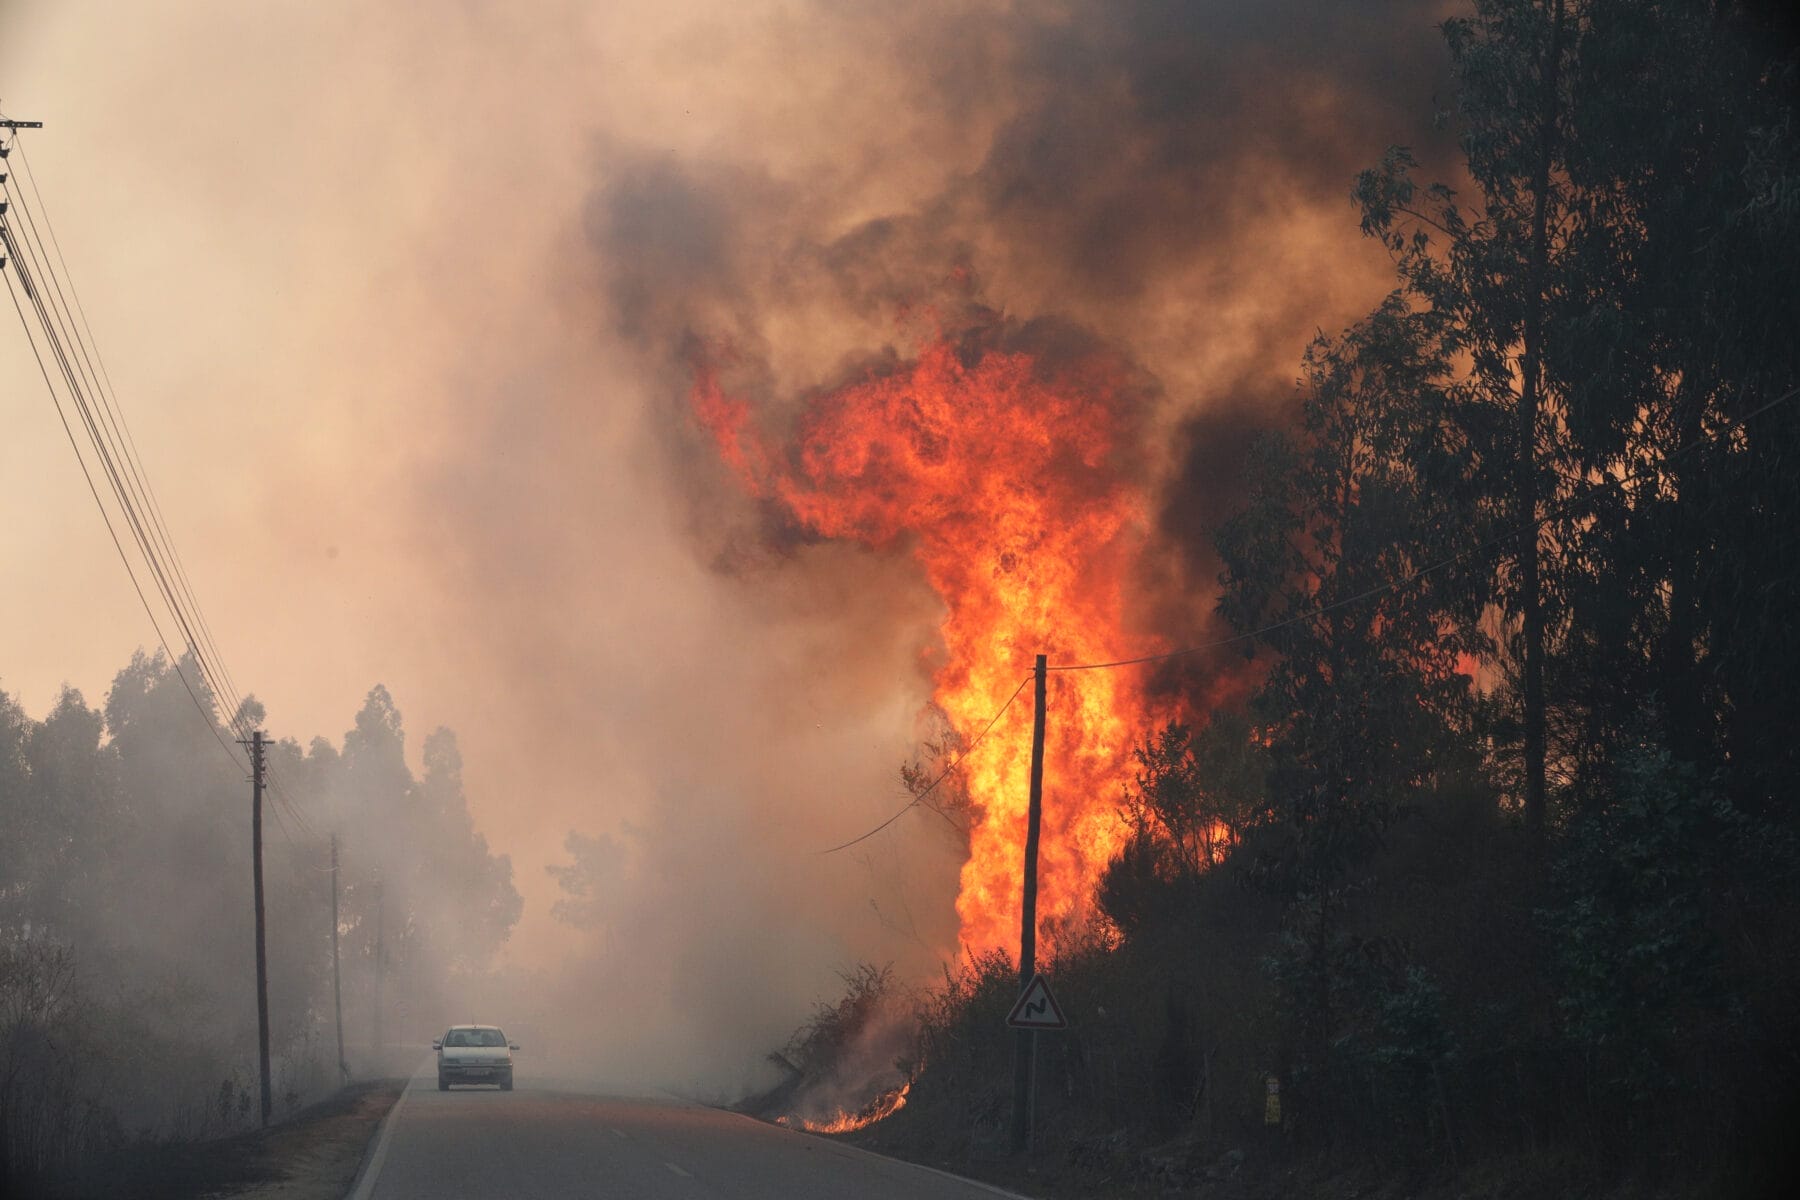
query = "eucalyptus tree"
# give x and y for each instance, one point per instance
(1617, 296)
(1491, 273)
(1339, 561)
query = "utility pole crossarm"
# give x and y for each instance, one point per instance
(4, 124)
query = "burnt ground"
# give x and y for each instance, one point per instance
(313, 1156)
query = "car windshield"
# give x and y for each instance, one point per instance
(474, 1037)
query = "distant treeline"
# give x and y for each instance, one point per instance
(127, 1001)
(1500, 858)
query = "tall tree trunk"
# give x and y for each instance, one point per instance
(1530, 396)
(1683, 710)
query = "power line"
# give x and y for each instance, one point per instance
(102, 417)
(919, 797)
(1313, 614)
(283, 800)
(113, 533)
(133, 456)
(131, 485)
(77, 371)
(78, 377)
(57, 332)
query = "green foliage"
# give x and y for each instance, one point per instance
(1194, 799)
(961, 1027)
(1666, 291)
(1430, 984)
(1377, 547)
(1365, 684)
(1409, 1036)
(1636, 948)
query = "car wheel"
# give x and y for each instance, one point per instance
(506, 1084)
(443, 1084)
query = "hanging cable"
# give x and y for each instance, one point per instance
(108, 393)
(56, 305)
(919, 796)
(211, 725)
(130, 487)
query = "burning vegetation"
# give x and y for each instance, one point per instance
(852, 1063)
(1012, 477)
(1448, 872)
(1488, 857)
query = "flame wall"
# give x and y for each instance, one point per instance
(1035, 376)
(1013, 486)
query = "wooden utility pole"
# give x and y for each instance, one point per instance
(1025, 1040)
(337, 990)
(262, 955)
(380, 965)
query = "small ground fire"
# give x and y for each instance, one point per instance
(880, 1109)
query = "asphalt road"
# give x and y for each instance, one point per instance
(531, 1143)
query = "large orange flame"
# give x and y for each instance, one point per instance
(1006, 481)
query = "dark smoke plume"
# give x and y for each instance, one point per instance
(1170, 179)
(1167, 183)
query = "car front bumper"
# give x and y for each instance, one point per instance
(487, 1073)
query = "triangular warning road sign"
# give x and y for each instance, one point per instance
(1037, 1008)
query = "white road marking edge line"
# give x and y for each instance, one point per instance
(371, 1169)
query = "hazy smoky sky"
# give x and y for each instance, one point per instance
(400, 299)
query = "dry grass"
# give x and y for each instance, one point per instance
(313, 1156)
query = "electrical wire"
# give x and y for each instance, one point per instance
(34, 260)
(919, 796)
(134, 493)
(1313, 614)
(114, 440)
(102, 417)
(279, 799)
(93, 489)
(133, 457)
(77, 372)
(281, 824)
(284, 798)
(25, 256)
(114, 444)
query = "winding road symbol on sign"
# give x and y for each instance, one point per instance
(1037, 1008)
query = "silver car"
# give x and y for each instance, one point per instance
(474, 1054)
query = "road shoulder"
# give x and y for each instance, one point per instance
(313, 1156)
